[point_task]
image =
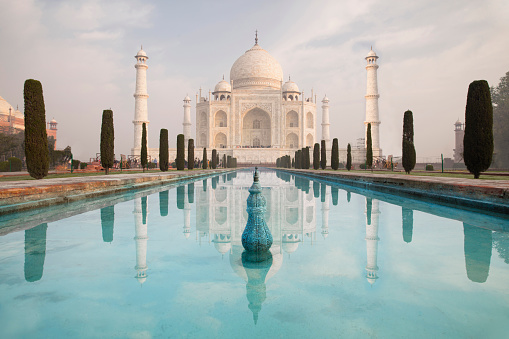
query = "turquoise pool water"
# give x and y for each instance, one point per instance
(166, 262)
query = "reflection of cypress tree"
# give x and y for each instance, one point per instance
(334, 192)
(163, 203)
(324, 192)
(369, 205)
(305, 185)
(316, 189)
(348, 196)
(408, 224)
(214, 182)
(204, 185)
(181, 197)
(224, 178)
(107, 221)
(190, 193)
(478, 243)
(501, 243)
(35, 252)
(144, 209)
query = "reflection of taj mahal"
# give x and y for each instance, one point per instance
(221, 213)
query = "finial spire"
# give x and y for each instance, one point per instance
(289, 78)
(256, 37)
(223, 76)
(371, 47)
(141, 46)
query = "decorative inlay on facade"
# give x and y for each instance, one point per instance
(247, 106)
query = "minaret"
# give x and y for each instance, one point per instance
(325, 121)
(141, 239)
(140, 100)
(459, 133)
(187, 120)
(372, 239)
(372, 103)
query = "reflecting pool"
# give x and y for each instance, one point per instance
(167, 262)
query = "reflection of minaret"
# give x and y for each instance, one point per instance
(372, 213)
(107, 221)
(141, 238)
(35, 252)
(325, 212)
(478, 244)
(408, 224)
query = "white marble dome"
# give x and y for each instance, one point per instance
(256, 69)
(223, 86)
(290, 86)
(371, 54)
(141, 52)
(4, 107)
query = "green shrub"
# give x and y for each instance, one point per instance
(349, 157)
(190, 154)
(144, 151)
(83, 165)
(335, 154)
(213, 162)
(181, 161)
(323, 155)
(4, 166)
(369, 148)
(205, 160)
(36, 139)
(409, 156)
(429, 167)
(15, 165)
(76, 164)
(163, 150)
(107, 141)
(316, 156)
(478, 138)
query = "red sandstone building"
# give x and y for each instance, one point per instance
(13, 121)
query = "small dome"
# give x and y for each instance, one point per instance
(325, 99)
(19, 114)
(141, 52)
(4, 107)
(371, 54)
(187, 98)
(223, 86)
(222, 247)
(53, 121)
(290, 86)
(458, 122)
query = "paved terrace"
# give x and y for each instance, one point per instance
(27, 194)
(489, 195)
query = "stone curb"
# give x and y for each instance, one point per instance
(25, 195)
(488, 195)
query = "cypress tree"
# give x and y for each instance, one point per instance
(334, 162)
(163, 150)
(316, 156)
(229, 162)
(144, 155)
(36, 139)
(323, 159)
(298, 159)
(190, 154)
(409, 157)
(224, 160)
(478, 138)
(213, 163)
(204, 162)
(348, 157)
(107, 141)
(293, 162)
(369, 148)
(181, 161)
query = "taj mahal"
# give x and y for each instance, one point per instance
(256, 117)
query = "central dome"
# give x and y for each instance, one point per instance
(256, 69)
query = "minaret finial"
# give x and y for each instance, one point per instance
(371, 47)
(141, 46)
(256, 37)
(289, 77)
(223, 76)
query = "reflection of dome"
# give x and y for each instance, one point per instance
(256, 69)
(223, 86)
(238, 268)
(290, 242)
(290, 86)
(222, 243)
(141, 280)
(371, 280)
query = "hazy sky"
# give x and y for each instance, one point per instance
(83, 53)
